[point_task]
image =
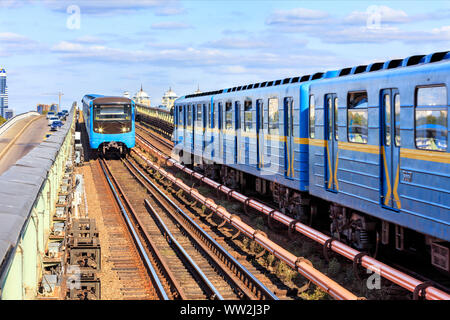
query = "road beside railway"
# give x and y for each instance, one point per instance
(20, 139)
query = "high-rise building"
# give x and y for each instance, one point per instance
(43, 108)
(9, 113)
(3, 92)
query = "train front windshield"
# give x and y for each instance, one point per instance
(112, 119)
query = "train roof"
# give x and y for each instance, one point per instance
(376, 66)
(100, 99)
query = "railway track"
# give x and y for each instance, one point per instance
(127, 263)
(168, 145)
(406, 280)
(198, 264)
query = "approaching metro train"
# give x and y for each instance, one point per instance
(366, 147)
(109, 122)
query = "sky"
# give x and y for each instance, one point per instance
(111, 46)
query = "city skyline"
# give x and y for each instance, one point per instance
(81, 47)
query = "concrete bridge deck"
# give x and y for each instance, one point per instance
(21, 138)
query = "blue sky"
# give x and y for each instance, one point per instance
(214, 44)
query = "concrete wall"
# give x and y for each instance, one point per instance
(28, 196)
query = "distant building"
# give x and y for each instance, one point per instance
(142, 97)
(54, 107)
(198, 90)
(126, 94)
(43, 108)
(9, 113)
(3, 92)
(169, 99)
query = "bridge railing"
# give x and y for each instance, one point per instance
(28, 197)
(5, 126)
(159, 119)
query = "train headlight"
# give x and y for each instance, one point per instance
(100, 129)
(124, 129)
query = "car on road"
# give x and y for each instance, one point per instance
(53, 127)
(50, 114)
(61, 115)
(52, 119)
(57, 123)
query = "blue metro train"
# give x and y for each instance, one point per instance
(366, 146)
(110, 122)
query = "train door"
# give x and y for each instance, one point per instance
(331, 138)
(289, 134)
(259, 133)
(237, 132)
(187, 124)
(192, 129)
(220, 129)
(390, 148)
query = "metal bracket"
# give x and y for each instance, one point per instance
(291, 229)
(326, 247)
(356, 262)
(246, 205)
(269, 219)
(419, 290)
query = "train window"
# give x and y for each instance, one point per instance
(207, 108)
(336, 128)
(289, 116)
(330, 119)
(189, 115)
(219, 115)
(431, 118)
(260, 108)
(248, 116)
(273, 117)
(387, 120)
(198, 120)
(228, 115)
(431, 96)
(397, 119)
(312, 116)
(357, 117)
(180, 115)
(212, 114)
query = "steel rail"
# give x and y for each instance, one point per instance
(189, 260)
(299, 264)
(419, 288)
(160, 289)
(199, 271)
(166, 144)
(236, 264)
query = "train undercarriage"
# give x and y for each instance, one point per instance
(113, 147)
(363, 232)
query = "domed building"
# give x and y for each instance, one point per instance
(169, 99)
(142, 97)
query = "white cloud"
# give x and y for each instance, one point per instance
(161, 7)
(297, 17)
(14, 44)
(237, 43)
(170, 25)
(384, 13)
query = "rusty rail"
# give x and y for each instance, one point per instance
(246, 282)
(303, 266)
(417, 287)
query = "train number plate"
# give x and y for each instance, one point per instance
(406, 176)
